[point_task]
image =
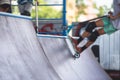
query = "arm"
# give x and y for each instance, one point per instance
(115, 16)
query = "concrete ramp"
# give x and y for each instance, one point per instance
(59, 52)
(21, 56)
(24, 56)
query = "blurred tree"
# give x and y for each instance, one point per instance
(102, 9)
(46, 11)
(81, 6)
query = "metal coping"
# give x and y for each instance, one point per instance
(16, 16)
(50, 32)
(51, 36)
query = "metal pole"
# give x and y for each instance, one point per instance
(36, 12)
(64, 17)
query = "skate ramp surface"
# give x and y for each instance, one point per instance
(21, 57)
(24, 56)
(59, 52)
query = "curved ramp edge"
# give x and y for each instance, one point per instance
(21, 56)
(59, 52)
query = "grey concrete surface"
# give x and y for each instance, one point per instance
(59, 53)
(24, 56)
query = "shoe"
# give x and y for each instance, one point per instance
(26, 13)
(74, 41)
(79, 50)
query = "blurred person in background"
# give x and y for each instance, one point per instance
(5, 6)
(25, 7)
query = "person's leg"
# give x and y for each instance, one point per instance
(91, 27)
(88, 30)
(108, 28)
(27, 9)
(86, 33)
(91, 39)
(21, 8)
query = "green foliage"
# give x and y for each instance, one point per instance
(102, 10)
(46, 11)
(15, 9)
(81, 6)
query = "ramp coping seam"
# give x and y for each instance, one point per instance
(51, 36)
(16, 16)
